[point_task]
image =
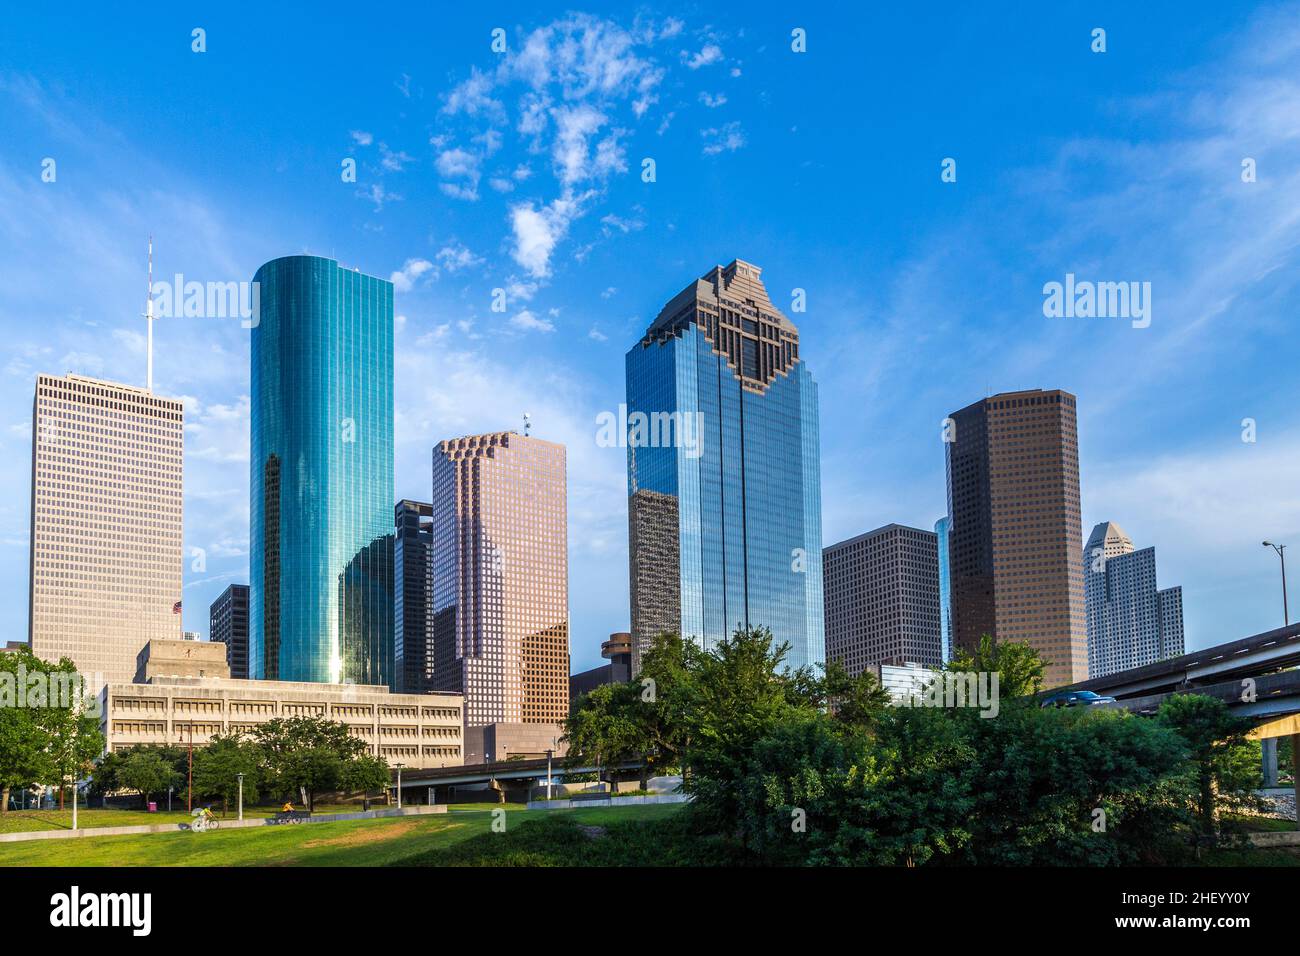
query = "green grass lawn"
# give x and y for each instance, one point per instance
(652, 835)
(401, 841)
(22, 821)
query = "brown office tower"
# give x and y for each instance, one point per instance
(500, 578)
(1013, 495)
(106, 524)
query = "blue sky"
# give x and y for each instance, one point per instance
(521, 171)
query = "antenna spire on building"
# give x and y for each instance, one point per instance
(148, 314)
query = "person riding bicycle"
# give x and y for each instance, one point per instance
(288, 807)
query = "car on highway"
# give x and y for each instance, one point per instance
(1074, 698)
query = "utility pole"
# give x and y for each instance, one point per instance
(189, 792)
(399, 767)
(1281, 553)
(241, 795)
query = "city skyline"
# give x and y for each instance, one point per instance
(900, 330)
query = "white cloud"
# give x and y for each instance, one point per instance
(530, 322)
(597, 335)
(713, 100)
(727, 138)
(538, 230)
(473, 96)
(403, 279)
(393, 161)
(362, 138)
(454, 257)
(459, 164)
(710, 53)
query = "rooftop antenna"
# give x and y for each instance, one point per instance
(528, 423)
(148, 314)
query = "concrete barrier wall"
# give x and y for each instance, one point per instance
(608, 802)
(224, 824)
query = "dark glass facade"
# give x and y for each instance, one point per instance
(413, 597)
(736, 486)
(228, 624)
(321, 561)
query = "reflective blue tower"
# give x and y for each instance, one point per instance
(724, 473)
(941, 529)
(321, 507)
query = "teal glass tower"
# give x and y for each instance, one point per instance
(321, 508)
(724, 473)
(941, 529)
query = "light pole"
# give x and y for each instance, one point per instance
(1281, 553)
(548, 768)
(241, 795)
(399, 767)
(74, 801)
(169, 798)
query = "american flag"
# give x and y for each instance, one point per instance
(176, 608)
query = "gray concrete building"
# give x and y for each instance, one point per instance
(1131, 621)
(179, 699)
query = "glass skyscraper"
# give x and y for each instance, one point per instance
(321, 508)
(724, 473)
(941, 529)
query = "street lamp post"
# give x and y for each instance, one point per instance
(399, 767)
(169, 797)
(74, 801)
(241, 795)
(1281, 553)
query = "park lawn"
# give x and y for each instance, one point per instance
(24, 821)
(384, 842)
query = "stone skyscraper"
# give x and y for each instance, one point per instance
(1130, 621)
(501, 578)
(882, 599)
(1013, 497)
(105, 524)
(724, 471)
(321, 529)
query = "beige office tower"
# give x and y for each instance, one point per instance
(106, 524)
(501, 578)
(1013, 496)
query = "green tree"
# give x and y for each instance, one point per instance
(311, 754)
(1017, 664)
(22, 739)
(217, 768)
(67, 721)
(1224, 770)
(146, 772)
(605, 726)
(855, 702)
(738, 694)
(365, 773)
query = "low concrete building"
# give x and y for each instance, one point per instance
(183, 658)
(497, 742)
(903, 680)
(618, 651)
(419, 730)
